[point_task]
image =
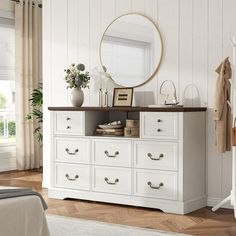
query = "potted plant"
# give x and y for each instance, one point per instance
(77, 79)
(37, 114)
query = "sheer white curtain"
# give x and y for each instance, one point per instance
(28, 23)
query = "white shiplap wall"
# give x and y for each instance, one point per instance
(196, 38)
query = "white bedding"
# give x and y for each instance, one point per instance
(22, 216)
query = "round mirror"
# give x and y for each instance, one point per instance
(131, 50)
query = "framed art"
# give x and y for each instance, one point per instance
(122, 97)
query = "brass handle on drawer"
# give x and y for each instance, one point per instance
(68, 177)
(111, 183)
(68, 118)
(155, 187)
(155, 159)
(68, 127)
(159, 130)
(71, 153)
(111, 156)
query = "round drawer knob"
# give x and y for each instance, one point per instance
(159, 120)
(159, 130)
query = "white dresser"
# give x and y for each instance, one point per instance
(165, 168)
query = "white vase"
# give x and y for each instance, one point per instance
(77, 97)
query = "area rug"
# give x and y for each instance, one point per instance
(66, 226)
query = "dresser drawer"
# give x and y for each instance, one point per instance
(69, 123)
(155, 155)
(112, 180)
(160, 125)
(72, 176)
(155, 184)
(112, 152)
(72, 150)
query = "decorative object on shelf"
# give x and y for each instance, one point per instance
(77, 80)
(105, 78)
(105, 99)
(132, 128)
(169, 101)
(112, 125)
(100, 97)
(114, 128)
(122, 97)
(101, 84)
(191, 96)
(132, 123)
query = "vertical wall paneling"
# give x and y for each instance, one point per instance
(84, 39)
(200, 57)
(214, 58)
(168, 21)
(139, 93)
(150, 88)
(59, 32)
(108, 13)
(195, 37)
(95, 33)
(73, 31)
(123, 7)
(186, 49)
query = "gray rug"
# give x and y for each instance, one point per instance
(65, 226)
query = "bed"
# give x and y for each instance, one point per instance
(22, 216)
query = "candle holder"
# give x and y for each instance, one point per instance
(100, 97)
(106, 99)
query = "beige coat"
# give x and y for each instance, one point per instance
(222, 111)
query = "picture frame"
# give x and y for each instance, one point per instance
(122, 97)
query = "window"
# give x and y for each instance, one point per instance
(7, 82)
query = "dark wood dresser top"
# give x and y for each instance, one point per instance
(131, 109)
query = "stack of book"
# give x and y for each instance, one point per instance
(112, 132)
(111, 129)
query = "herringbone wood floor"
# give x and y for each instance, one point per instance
(201, 222)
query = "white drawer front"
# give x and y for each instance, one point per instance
(156, 184)
(156, 155)
(69, 123)
(159, 125)
(112, 152)
(72, 176)
(112, 180)
(72, 150)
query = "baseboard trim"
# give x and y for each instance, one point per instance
(213, 201)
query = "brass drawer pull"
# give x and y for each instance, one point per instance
(111, 183)
(71, 153)
(155, 159)
(68, 177)
(159, 130)
(68, 127)
(155, 187)
(111, 156)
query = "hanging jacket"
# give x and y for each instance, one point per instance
(222, 110)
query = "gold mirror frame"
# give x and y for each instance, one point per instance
(161, 41)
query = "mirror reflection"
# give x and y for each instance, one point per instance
(131, 50)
